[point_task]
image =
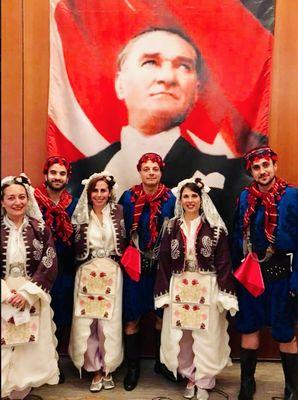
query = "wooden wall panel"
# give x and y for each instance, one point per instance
(12, 87)
(284, 104)
(36, 83)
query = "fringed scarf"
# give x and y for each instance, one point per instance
(55, 216)
(269, 201)
(140, 198)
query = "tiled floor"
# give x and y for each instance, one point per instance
(269, 379)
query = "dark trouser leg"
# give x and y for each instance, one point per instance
(248, 360)
(290, 368)
(160, 368)
(59, 336)
(132, 357)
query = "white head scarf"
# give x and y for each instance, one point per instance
(32, 209)
(209, 210)
(81, 213)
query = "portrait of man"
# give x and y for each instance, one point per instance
(181, 80)
(158, 80)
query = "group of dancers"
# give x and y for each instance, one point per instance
(100, 265)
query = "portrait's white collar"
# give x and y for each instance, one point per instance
(159, 143)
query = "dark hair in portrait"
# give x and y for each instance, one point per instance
(174, 31)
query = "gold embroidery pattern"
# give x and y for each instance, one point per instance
(77, 236)
(190, 296)
(38, 249)
(175, 252)
(20, 334)
(206, 250)
(122, 225)
(170, 226)
(47, 260)
(97, 306)
(97, 289)
(189, 316)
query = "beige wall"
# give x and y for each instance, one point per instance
(25, 26)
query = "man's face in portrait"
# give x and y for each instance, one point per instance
(263, 171)
(158, 81)
(56, 177)
(150, 174)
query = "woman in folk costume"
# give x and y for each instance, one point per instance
(29, 268)
(194, 279)
(96, 333)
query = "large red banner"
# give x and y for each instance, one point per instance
(226, 93)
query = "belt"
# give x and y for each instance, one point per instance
(277, 267)
(148, 265)
(16, 269)
(102, 253)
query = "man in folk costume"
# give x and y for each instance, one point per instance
(57, 207)
(145, 207)
(266, 226)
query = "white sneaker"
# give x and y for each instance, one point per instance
(202, 394)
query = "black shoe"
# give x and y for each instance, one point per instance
(61, 378)
(161, 369)
(248, 362)
(132, 358)
(132, 377)
(247, 389)
(290, 368)
(289, 395)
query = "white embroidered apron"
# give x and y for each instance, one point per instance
(97, 287)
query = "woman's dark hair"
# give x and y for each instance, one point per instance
(196, 187)
(109, 180)
(12, 182)
(192, 186)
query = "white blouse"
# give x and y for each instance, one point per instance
(16, 250)
(101, 235)
(191, 236)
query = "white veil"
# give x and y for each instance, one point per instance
(209, 210)
(81, 212)
(32, 209)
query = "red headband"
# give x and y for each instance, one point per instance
(56, 160)
(257, 154)
(150, 157)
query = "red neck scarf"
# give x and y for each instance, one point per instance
(55, 216)
(140, 198)
(269, 201)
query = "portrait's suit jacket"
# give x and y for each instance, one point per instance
(181, 162)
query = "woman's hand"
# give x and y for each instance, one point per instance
(18, 301)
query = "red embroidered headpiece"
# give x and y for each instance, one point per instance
(258, 153)
(56, 160)
(151, 157)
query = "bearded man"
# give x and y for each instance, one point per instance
(266, 226)
(57, 206)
